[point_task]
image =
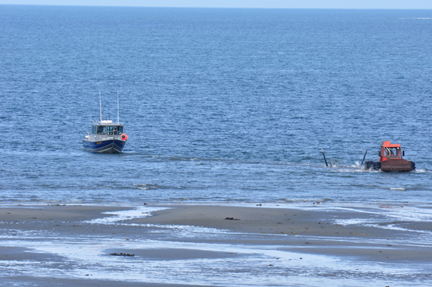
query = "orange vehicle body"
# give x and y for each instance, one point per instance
(390, 157)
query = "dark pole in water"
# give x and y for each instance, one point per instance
(364, 158)
(324, 157)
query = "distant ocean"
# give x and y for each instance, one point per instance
(220, 105)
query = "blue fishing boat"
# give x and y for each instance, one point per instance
(105, 136)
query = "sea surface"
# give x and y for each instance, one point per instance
(219, 105)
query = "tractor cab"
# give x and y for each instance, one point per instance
(390, 151)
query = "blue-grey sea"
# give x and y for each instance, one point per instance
(219, 105)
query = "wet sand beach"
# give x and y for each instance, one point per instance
(209, 245)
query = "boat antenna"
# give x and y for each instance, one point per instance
(118, 116)
(100, 106)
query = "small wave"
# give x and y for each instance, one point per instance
(355, 167)
(398, 188)
(352, 168)
(417, 18)
(352, 221)
(421, 170)
(146, 186)
(403, 229)
(123, 215)
(304, 200)
(124, 153)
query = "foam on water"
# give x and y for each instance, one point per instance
(398, 188)
(122, 215)
(421, 170)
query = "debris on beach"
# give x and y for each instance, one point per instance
(231, 218)
(122, 254)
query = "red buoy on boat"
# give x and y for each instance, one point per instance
(124, 137)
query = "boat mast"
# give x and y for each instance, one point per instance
(100, 107)
(118, 116)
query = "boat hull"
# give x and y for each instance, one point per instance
(105, 146)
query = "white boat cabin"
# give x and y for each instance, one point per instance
(106, 128)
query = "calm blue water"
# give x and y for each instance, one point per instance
(218, 104)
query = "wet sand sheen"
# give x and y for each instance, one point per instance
(187, 233)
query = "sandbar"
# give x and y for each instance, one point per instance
(177, 233)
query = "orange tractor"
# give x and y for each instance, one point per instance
(390, 159)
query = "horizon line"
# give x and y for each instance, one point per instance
(215, 7)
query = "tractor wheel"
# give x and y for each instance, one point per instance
(368, 164)
(377, 165)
